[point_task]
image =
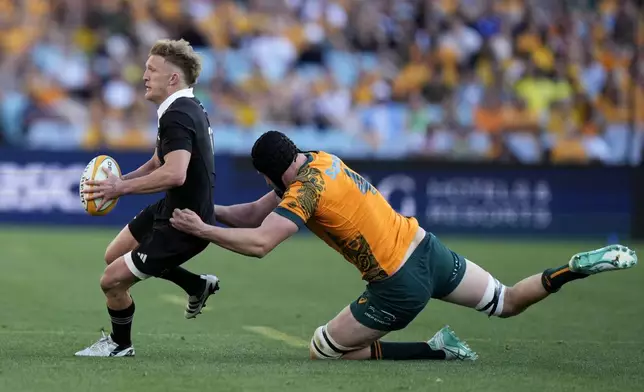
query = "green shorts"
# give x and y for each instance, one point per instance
(432, 271)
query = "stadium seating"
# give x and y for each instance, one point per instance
(438, 78)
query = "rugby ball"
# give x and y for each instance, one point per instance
(94, 171)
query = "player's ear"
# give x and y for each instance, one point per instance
(175, 78)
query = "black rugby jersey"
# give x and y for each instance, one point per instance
(184, 125)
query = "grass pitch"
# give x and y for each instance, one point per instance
(253, 335)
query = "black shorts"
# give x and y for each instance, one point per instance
(161, 247)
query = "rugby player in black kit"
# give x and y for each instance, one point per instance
(183, 167)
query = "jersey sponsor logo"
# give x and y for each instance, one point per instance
(335, 168)
(360, 181)
(212, 139)
(457, 267)
(210, 133)
(40, 187)
(380, 316)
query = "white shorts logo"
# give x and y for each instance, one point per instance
(142, 256)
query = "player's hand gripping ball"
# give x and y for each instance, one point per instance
(98, 185)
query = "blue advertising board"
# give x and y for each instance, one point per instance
(495, 199)
(42, 188)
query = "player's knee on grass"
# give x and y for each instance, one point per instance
(323, 346)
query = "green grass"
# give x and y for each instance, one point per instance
(588, 336)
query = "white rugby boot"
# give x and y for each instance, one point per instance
(608, 258)
(447, 341)
(106, 347)
(196, 303)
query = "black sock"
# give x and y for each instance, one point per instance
(189, 282)
(401, 351)
(553, 278)
(122, 325)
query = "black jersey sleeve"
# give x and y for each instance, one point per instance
(177, 132)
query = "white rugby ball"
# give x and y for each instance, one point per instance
(94, 171)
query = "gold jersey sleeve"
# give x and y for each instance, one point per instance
(349, 214)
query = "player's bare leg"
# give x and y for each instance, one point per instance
(115, 283)
(481, 291)
(510, 301)
(198, 287)
(345, 338)
(123, 243)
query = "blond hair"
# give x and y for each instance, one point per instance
(181, 54)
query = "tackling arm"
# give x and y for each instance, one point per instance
(256, 242)
(247, 215)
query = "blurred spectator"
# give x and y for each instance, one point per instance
(523, 80)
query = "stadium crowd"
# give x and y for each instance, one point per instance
(524, 80)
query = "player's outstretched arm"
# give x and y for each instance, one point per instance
(145, 169)
(247, 215)
(256, 242)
